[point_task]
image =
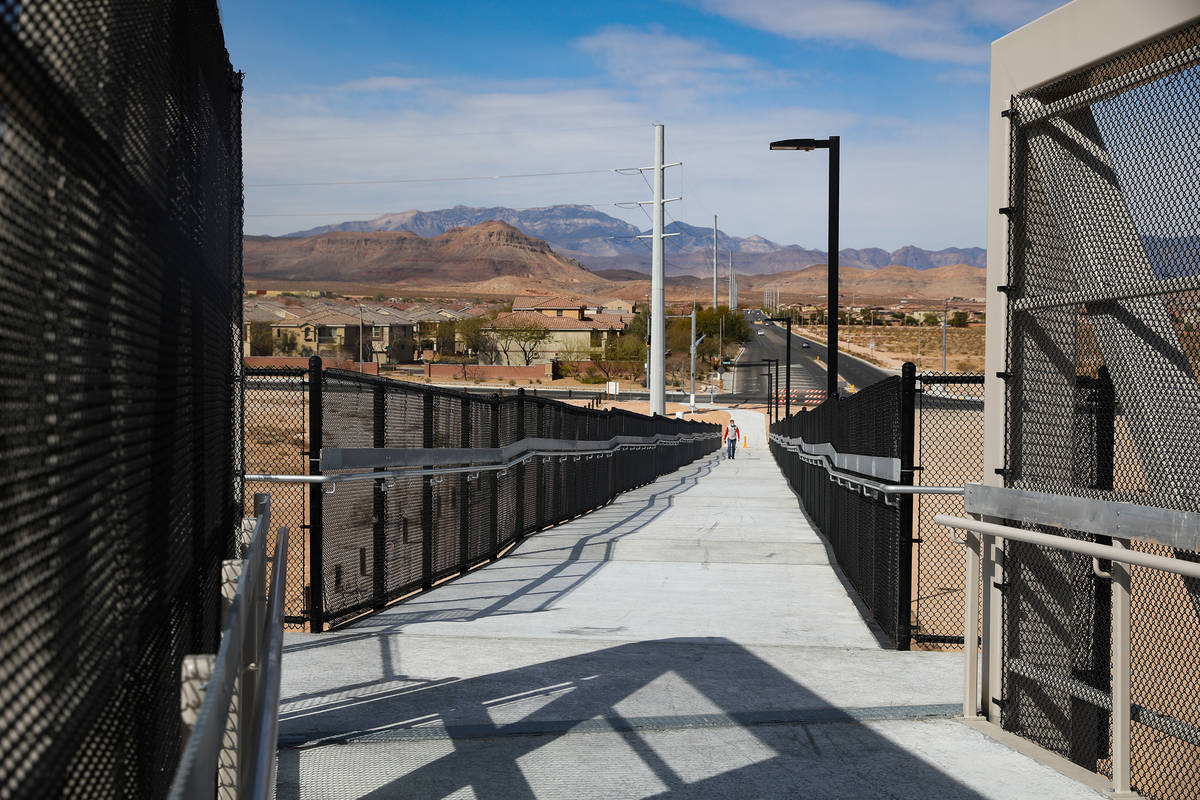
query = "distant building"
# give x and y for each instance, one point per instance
(572, 335)
(551, 306)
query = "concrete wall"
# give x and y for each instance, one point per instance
(489, 371)
(367, 368)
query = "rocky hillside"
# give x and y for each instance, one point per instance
(603, 242)
(474, 254)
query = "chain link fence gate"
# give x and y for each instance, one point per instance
(275, 441)
(1103, 401)
(949, 424)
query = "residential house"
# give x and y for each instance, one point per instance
(428, 319)
(551, 306)
(389, 332)
(318, 332)
(570, 337)
(615, 305)
(262, 311)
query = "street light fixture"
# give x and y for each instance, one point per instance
(832, 144)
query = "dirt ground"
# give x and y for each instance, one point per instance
(920, 345)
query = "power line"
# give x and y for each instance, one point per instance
(433, 180)
(437, 135)
(374, 214)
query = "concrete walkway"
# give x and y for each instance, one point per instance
(690, 640)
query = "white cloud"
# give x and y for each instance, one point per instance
(903, 182)
(384, 83)
(653, 61)
(930, 30)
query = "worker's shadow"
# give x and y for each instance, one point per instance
(677, 718)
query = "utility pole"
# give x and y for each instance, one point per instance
(360, 339)
(945, 313)
(658, 324)
(714, 305)
(733, 293)
(693, 352)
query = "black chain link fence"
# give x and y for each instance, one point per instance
(275, 442)
(1103, 400)
(369, 543)
(950, 424)
(120, 299)
(871, 535)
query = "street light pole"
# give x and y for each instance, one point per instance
(833, 144)
(832, 290)
(787, 375)
(767, 375)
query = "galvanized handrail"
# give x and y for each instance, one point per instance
(476, 460)
(983, 550)
(228, 749)
(868, 487)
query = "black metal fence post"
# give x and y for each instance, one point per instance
(427, 497)
(542, 472)
(494, 478)
(787, 397)
(904, 564)
(316, 590)
(519, 506)
(464, 489)
(379, 506)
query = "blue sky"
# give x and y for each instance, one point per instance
(360, 91)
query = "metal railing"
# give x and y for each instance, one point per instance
(230, 701)
(869, 488)
(414, 461)
(984, 557)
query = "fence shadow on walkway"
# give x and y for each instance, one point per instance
(501, 735)
(537, 576)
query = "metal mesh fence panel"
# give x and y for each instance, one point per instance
(1103, 353)
(381, 540)
(949, 425)
(120, 273)
(868, 535)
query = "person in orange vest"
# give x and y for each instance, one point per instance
(731, 437)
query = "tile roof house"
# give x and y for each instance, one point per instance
(570, 338)
(550, 306)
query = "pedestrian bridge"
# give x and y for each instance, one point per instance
(692, 638)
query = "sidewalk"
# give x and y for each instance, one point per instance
(689, 640)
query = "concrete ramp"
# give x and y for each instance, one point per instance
(688, 640)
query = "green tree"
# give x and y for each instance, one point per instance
(262, 339)
(476, 339)
(446, 340)
(287, 344)
(401, 345)
(958, 319)
(524, 336)
(350, 343)
(930, 319)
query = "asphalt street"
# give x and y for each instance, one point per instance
(808, 364)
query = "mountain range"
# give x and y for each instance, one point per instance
(600, 241)
(495, 258)
(470, 255)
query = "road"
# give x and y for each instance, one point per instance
(807, 371)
